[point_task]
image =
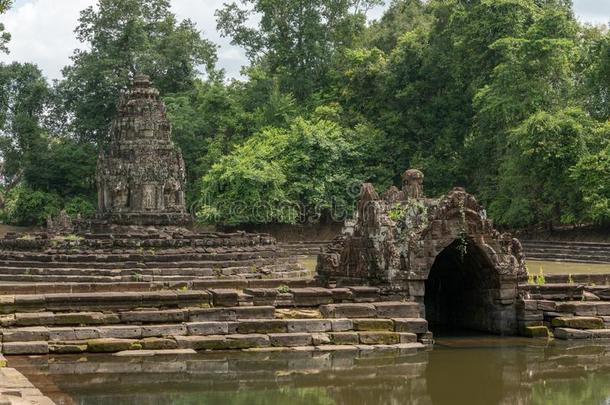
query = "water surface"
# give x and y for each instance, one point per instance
(460, 370)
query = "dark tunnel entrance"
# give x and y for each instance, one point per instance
(460, 290)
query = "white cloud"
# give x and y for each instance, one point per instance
(43, 30)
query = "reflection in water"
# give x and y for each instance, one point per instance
(468, 370)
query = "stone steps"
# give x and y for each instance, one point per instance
(37, 288)
(304, 248)
(112, 322)
(214, 335)
(184, 271)
(130, 263)
(335, 302)
(584, 252)
(228, 273)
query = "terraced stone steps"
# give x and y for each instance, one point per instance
(304, 248)
(36, 288)
(241, 327)
(565, 319)
(584, 252)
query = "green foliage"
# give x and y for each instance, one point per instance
(295, 40)
(30, 207)
(79, 206)
(288, 175)
(4, 36)
(540, 279)
(397, 213)
(505, 97)
(122, 38)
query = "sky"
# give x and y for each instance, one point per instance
(43, 30)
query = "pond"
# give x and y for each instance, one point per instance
(460, 370)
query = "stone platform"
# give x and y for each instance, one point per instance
(566, 307)
(153, 256)
(275, 316)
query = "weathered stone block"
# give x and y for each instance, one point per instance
(172, 315)
(120, 332)
(34, 319)
(25, 347)
(212, 314)
(308, 325)
(247, 341)
(397, 309)
(311, 296)
(290, 339)
(536, 331)
(547, 306)
(318, 339)
(111, 345)
(412, 325)
(365, 293)
(86, 333)
(163, 330)
(568, 334)
(527, 305)
(578, 308)
(154, 343)
(348, 311)
(406, 337)
(32, 334)
(222, 297)
(341, 325)
(262, 326)
(601, 333)
(373, 325)
(342, 294)
(216, 342)
(207, 328)
(255, 312)
(344, 338)
(67, 348)
(578, 322)
(85, 318)
(379, 338)
(603, 308)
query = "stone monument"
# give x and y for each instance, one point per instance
(141, 177)
(443, 253)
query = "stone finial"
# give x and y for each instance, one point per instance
(412, 183)
(393, 195)
(141, 80)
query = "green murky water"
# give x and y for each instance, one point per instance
(467, 370)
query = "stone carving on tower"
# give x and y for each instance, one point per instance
(141, 177)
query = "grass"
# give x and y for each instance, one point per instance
(549, 267)
(569, 268)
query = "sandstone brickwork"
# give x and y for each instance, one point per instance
(141, 177)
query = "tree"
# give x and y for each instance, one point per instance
(533, 81)
(4, 36)
(23, 96)
(124, 37)
(297, 174)
(295, 40)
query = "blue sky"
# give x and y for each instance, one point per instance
(42, 30)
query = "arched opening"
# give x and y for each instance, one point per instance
(460, 290)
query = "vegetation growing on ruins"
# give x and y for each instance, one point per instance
(507, 98)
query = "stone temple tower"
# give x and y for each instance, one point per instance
(141, 177)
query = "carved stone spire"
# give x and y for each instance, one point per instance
(141, 177)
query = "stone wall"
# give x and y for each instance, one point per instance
(397, 238)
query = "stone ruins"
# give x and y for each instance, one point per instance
(141, 178)
(137, 277)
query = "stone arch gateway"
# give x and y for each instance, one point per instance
(442, 253)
